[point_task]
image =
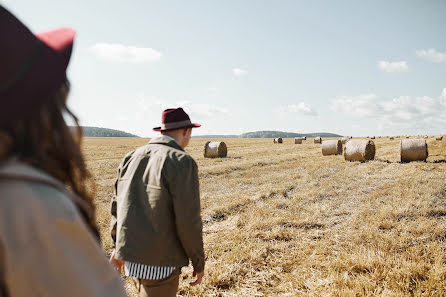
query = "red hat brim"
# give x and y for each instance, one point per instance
(193, 125)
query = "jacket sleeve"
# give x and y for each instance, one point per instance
(185, 191)
(114, 203)
(50, 251)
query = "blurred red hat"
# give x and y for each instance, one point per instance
(175, 118)
(32, 66)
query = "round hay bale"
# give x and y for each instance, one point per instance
(359, 150)
(318, 139)
(216, 149)
(345, 139)
(407, 137)
(413, 150)
(373, 137)
(278, 140)
(439, 138)
(391, 138)
(331, 147)
(298, 140)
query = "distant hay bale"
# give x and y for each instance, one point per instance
(298, 140)
(278, 140)
(359, 150)
(439, 137)
(318, 139)
(345, 139)
(426, 137)
(373, 137)
(216, 149)
(331, 147)
(391, 138)
(407, 137)
(413, 150)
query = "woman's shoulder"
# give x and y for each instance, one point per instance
(27, 189)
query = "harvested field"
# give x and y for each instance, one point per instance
(287, 221)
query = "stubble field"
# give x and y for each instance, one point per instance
(283, 220)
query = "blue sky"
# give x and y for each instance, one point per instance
(348, 67)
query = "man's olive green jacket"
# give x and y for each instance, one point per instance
(156, 207)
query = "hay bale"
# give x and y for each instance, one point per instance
(318, 139)
(391, 138)
(426, 137)
(278, 140)
(413, 150)
(345, 139)
(331, 147)
(373, 137)
(359, 150)
(439, 137)
(298, 140)
(215, 149)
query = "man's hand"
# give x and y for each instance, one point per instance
(199, 277)
(117, 264)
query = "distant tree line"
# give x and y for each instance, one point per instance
(104, 132)
(271, 134)
(275, 134)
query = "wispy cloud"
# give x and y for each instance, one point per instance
(403, 112)
(239, 72)
(393, 66)
(302, 108)
(116, 52)
(432, 55)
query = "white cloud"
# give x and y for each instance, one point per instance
(212, 89)
(362, 105)
(403, 112)
(116, 52)
(432, 55)
(301, 107)
(239, 72)
(393, 66)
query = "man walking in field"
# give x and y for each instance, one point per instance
(156, 223)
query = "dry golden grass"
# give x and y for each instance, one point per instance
(283, 220)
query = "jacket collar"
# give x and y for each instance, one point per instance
(165, 140)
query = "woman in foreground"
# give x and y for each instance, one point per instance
(49, 242)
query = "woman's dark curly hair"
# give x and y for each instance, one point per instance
(45, 141)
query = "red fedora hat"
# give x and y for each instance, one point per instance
(32, 66)
(175, 118)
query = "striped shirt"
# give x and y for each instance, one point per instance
(143, 271)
